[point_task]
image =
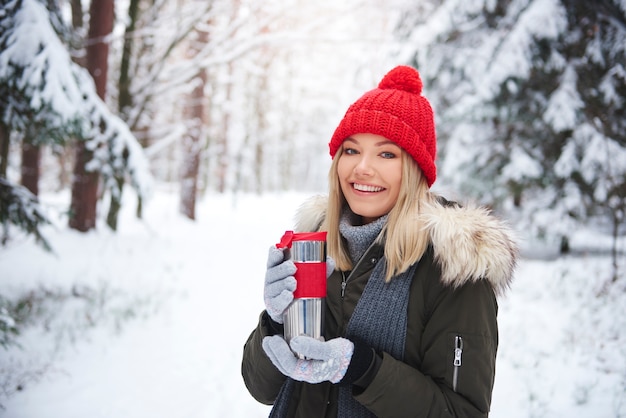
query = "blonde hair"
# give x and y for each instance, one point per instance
(406, 239)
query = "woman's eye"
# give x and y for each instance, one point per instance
(388, 155)
(350, 151)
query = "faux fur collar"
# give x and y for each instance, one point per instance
(469, 243)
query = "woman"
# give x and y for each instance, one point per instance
(410, 322)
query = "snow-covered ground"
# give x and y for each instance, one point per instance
(150, 321)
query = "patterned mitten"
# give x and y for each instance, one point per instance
(325, 360)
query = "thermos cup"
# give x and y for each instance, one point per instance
(305, 315)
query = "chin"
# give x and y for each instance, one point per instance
(369, 215)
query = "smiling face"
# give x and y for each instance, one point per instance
(370, 173)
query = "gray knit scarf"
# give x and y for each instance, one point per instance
(379, 318)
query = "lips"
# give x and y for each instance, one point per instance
(367, 188)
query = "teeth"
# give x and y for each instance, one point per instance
(365, 188)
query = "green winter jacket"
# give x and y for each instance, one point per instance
(452, 334)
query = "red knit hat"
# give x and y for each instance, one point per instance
(397, 111)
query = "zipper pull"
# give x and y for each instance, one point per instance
(458, 350)
(343, 284)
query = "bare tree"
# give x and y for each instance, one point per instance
(194, 115)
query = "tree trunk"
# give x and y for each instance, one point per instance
(222, 139)
(192, 140)
(31, 155)
(124, 103)
(125, 100)
(85, 184)
(618, 219)
(84, 192)
(4, 149)
(4, 155)
(77, 13)
(116, 204)
(65, 159)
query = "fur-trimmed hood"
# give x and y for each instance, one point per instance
(469, 243)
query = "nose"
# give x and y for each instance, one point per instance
(363, 166)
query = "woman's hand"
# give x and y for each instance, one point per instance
(324, 360)
(279, 284)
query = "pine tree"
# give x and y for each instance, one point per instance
(46, 98)
(18, 206)
(529, 96)
(29, 110)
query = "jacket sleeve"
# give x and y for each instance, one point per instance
(463, 319)
(261, 377)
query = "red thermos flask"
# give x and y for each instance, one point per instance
(305, 315)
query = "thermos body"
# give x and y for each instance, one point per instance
(308, 251)
(305, 315)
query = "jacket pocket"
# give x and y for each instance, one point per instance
(470, 364)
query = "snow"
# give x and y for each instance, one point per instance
(150, 321)
(565, 103)
(35, 47)
(542, 19)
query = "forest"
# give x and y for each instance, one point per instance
(107, 99)
(215, 96)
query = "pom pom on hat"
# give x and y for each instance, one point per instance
(396, 110)
(402, 78)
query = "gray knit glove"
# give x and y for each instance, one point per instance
(325, 360)
(279, 284)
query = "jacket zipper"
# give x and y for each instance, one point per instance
(344, 279)
(458, 352)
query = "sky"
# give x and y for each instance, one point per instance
(151, 321)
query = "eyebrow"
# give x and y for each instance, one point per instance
(378, 144)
